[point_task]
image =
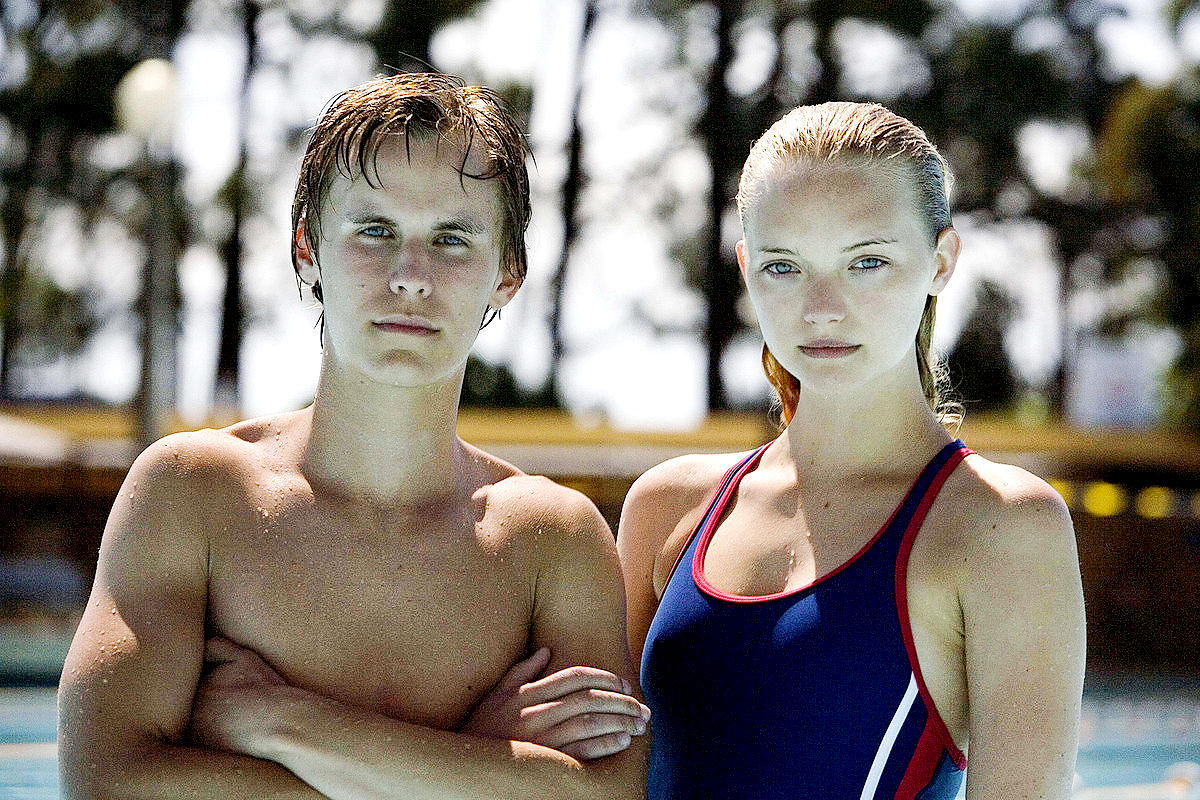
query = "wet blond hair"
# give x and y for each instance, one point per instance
(858, 135)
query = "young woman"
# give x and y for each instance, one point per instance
(847, 610)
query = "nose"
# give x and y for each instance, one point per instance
(823, 302)
(410, 273)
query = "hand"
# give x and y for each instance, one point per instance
(583, 712)
(232, 700)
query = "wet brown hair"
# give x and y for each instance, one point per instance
(859, 135)
(353, 126)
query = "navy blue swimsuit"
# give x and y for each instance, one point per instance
(811, 693)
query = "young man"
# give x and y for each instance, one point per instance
(343, 600)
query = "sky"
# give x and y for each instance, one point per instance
(633, 356)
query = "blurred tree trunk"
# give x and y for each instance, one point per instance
(13, 216)
(226, 396)
(824, 15)
(401, 40)
(1077, 223)
(720, 283)
(572, 187)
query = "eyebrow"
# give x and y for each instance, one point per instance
(462, 223)
(866, 243)
(459, 223)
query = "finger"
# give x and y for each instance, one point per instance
(599, 747)
(527, 670)
(590, 726)
(572, 679)
(543, 716)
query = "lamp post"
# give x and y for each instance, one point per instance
(146, 108)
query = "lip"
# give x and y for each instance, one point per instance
(405, 323)
(828, 348)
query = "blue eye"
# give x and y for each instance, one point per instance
(779, 267)
(451, 240)
(869, 263)
(375, 231)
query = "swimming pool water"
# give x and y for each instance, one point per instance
(1126, 736)
(28, 767)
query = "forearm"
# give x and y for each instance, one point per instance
(159, 769)
(350, 753)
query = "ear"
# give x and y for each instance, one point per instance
(740, 249)
(946, 257)
(506, 287)
(306, 265)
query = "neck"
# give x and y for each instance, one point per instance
(863, 431)
(398, 444)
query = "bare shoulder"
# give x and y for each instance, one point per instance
(176, 464)
(1007, 524)
(534, 505)
(203, 454)
(661, 509)
(184, 471)
(991, 496)
(673, 491)
(679, 485)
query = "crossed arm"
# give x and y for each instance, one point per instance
(137, 665)
(517, 740)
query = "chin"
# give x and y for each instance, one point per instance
(405, 370)
(830, 376)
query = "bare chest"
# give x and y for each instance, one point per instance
(414, 616)
(765, 543)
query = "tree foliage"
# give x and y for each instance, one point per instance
(1150, 167)
(63, 62)
(974, 86)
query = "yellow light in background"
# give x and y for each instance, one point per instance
(1104, 499)
(1154, 502)
(1065, 489)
